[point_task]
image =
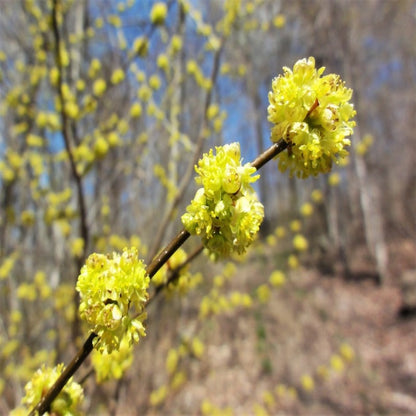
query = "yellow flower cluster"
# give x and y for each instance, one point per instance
(225, 212)
(110, 286)
(312, 113)
(158, 13)
(69, 399)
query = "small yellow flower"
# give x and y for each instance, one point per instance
(279, 20)
(141, 46)
(293, 262)
(307, 383)
(158, 396)
(158, 13)
(263, 293)
(280, 232)
(277, 278)
(334, 179)
(117, 76)
(337, 364)
(306, 209)
(317, 196)
(346, 352)
(197, 347)
(300, 242)
(136, 110)
(99, 87)
(154, 82)
(163, 62)
(77, 247)
(295, 225)
(172, 361)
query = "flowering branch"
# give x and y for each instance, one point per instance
(151, 270)
(312, 119)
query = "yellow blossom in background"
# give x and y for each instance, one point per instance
(280, 390)
(346, 352)
(117, 76)
(114, 20)
(158, 396)
(322, 372)
(363, 146)
(295, 225)
(158, 13)
(163, 62)
(172, 360)
(271, 240)
(334, 179)
(113, 139)
(218, 281)
(277, 278)
(212, 111)
(54, 76)
(144, 93)
(141, 46)
(77, 247)
(259, 410)
(99, 22)
(154, 82)
(280, 232)
(337, 364)
(306, 209)
(71, 109)
(197, 347)
(136, 110)
(317, 196)
(229, 270)
(192, 67)
(27, 218)
(263, 293)
(178, 380)
(279, 21)
(293, 262)
(307, 383)
(175, 44)
(101, 147)
(94, 67)
(99, 87)
(27, 291)
(300, 243)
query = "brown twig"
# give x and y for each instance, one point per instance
(66, 130)
(197, 154)
(44, 405)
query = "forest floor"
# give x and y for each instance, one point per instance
(297, 331)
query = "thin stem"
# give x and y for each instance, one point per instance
(66, 130)
(165, 254)
(44, 404)
(269, 154)
(197, 153)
